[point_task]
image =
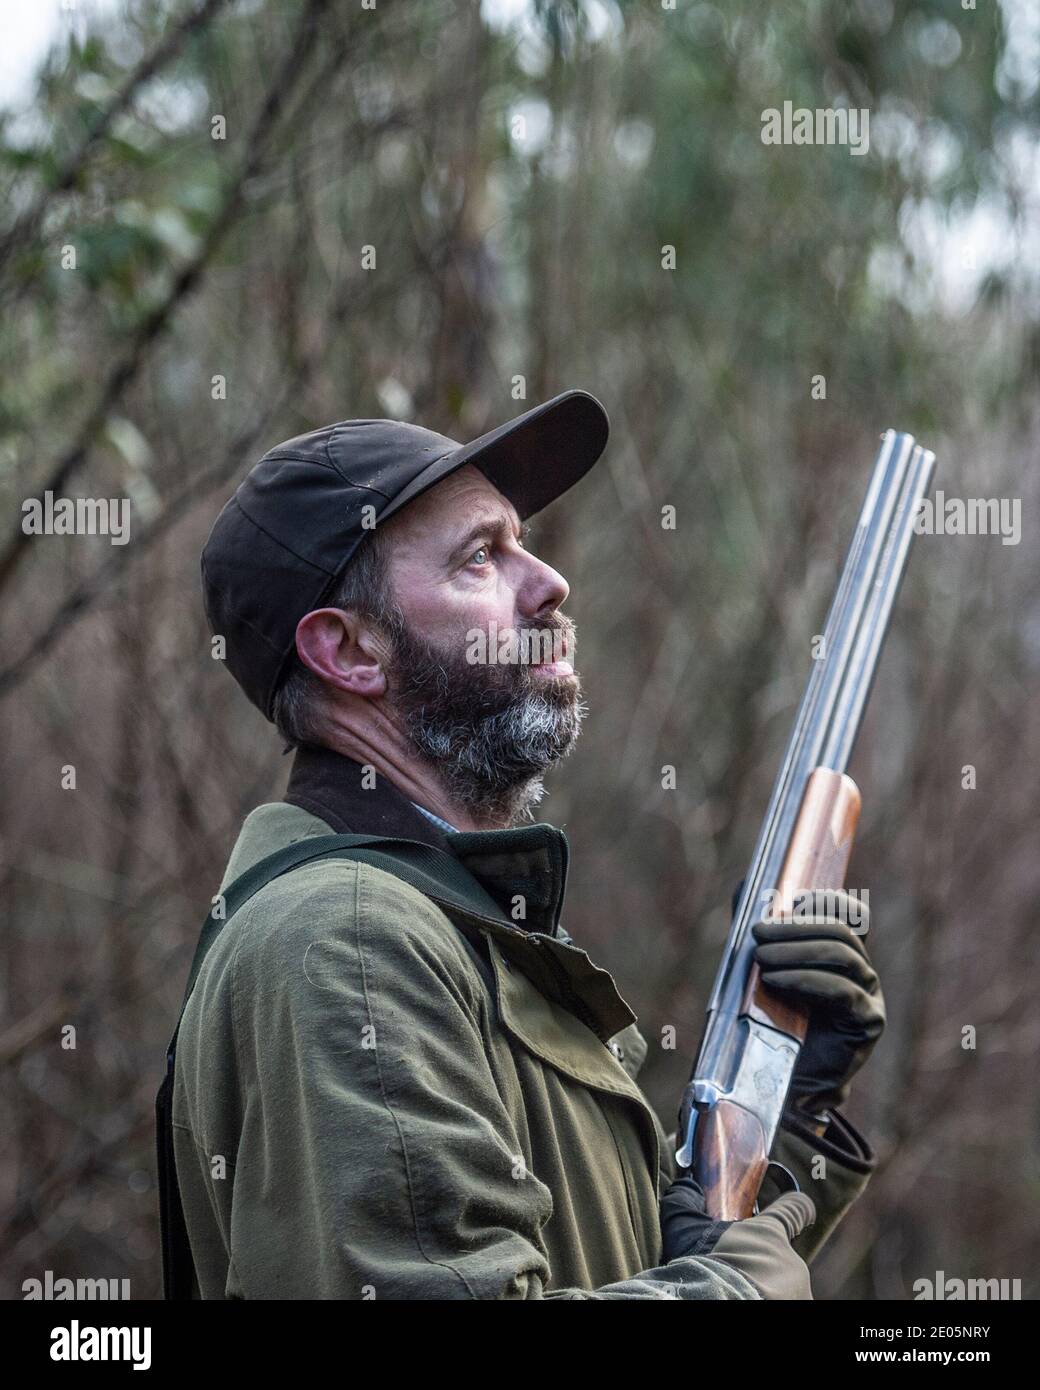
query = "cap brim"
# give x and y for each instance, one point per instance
(532, 459)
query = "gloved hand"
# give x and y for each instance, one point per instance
(824, 964)
(758, 1247)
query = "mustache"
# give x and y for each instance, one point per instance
(562, 634)
(553, 638)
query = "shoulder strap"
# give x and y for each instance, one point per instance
(432, 871)
(438, 875)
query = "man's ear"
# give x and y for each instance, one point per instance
(338, 647)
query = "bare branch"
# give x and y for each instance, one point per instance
(148, 331)
(27, 225)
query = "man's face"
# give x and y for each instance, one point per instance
(481, 670)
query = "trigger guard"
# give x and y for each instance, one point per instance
(790, 1185)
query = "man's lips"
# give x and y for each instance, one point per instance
(555, 646)
(554, 669)
(559, 666)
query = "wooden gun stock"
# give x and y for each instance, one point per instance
(732, 1156)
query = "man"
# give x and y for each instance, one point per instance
(396, 1083)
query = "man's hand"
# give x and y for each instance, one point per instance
(759, 1247)
(821, 963)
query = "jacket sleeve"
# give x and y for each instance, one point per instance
(833, 1168)
(377, 1159)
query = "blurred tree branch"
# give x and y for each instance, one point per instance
(27, 225)
(287, 77)
(352, 295)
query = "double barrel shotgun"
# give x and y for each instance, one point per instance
(732, 1105)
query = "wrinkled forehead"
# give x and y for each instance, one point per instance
(461, 500)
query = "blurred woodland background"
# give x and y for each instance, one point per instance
(217, 169)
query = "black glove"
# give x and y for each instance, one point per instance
(823, 964)
(686, 1227)
(758, 1247)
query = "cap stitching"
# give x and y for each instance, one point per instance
(339, 471)
(367, 486)
(317, 463)
(262, 636)
(281, 544)
(296, 458)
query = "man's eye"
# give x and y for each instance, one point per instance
(477, 554)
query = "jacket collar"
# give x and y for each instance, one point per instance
(355, 801)
(528, 863)
(328, 792)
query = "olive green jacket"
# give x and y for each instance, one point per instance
(365, 1106)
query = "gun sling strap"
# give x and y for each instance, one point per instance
(435, 873)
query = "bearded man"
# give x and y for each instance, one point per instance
(396, 1075)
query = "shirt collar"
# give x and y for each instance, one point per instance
(437, 820)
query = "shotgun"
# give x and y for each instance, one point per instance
(731, 1106)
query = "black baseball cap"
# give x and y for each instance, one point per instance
(279, 546)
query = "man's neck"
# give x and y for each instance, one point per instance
(353, 800)
(417, 781)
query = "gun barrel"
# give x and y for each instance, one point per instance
(848, 712)
(841, 637)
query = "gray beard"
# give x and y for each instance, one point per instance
(491, 731)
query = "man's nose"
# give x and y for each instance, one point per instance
(543, 589)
